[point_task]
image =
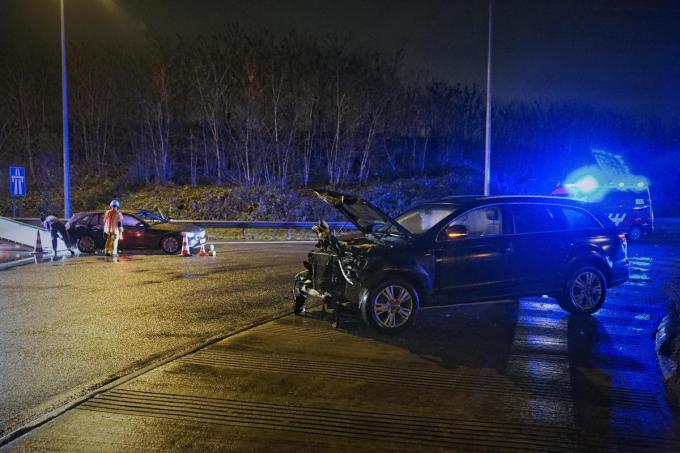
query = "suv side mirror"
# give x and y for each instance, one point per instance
(453, 232)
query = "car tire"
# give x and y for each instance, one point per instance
(585, 291)
(390, 306)
(171, 245)
(86, 244)
(635, 234)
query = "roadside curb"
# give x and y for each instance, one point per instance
(667, 365)
(78, 397)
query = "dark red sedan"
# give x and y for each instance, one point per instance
(157, 233)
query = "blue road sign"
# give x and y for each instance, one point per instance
(17, 181)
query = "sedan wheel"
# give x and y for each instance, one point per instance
(86, 244)
(585, 292)
(170, 245)
(391, 306)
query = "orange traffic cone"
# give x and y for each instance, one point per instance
(202, 252)
(185, 247)
(38, 245)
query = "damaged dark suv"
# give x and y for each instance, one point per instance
(459, 250)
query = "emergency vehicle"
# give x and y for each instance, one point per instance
(621, 195)
(630, 209)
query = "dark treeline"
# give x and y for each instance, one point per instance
(247, 108)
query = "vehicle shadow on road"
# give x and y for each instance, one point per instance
(477, 336)
(581, 373)
(590, 353)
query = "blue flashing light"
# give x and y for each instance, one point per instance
(586, 184)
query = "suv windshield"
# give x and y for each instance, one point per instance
(421, 219)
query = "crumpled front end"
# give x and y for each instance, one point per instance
(333, 270)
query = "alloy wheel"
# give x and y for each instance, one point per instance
(393, 306)
(586, 291)
(170, 245)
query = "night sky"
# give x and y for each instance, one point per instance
(613, 53)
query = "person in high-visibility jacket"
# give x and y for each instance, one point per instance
(113, 228)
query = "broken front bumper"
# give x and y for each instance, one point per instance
(337, 296)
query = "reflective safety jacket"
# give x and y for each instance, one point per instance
(113, 221)
(49, 220)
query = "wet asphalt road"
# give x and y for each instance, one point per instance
(72, 324)
(504, 373)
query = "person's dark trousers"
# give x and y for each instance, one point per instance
(58, 229)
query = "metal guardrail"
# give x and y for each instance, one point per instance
(257, 224)
(663, 226)
(245, 225)
(235, 224)
(242, 225)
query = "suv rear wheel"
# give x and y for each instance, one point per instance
(585, 291)
(391, 306)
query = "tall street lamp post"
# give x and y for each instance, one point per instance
(64, 101)
(487, 129)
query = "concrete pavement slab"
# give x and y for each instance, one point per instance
(298, 384)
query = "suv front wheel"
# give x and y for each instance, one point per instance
(585, 291)
(391, 306)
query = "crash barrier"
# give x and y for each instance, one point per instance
(242, 225)
(246, 225)
(26, 234)
(664, 227)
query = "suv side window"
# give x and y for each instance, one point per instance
(538, 218)
(578, 219)
(481, 222)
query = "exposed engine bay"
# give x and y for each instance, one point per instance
(334, 267)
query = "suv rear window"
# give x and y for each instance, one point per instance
(538, 218)
(578, 219)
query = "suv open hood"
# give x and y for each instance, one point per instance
(360, 212)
